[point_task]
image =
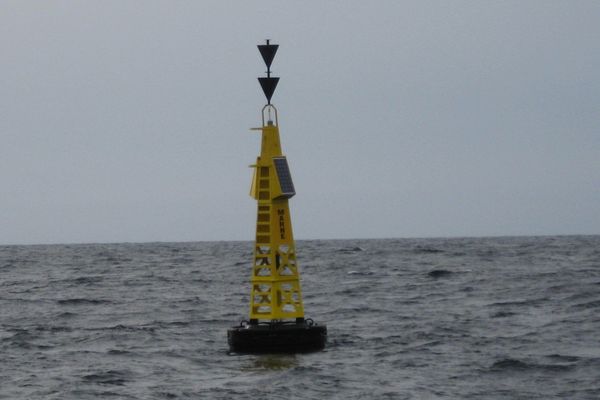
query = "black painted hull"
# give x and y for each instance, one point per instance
(277, 338)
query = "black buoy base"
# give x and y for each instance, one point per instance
(301, 336)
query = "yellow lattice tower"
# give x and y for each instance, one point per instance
(276, 293)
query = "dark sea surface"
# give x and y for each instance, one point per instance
(473, 318)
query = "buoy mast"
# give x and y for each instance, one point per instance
(277, 322)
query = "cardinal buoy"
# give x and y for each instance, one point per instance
(276, 323)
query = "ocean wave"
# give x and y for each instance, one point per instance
(426, 250)
(21, 338)
(512, 364)
(354, 249)
(86, 280)
(515, 303)
(581, 294)
(342, 340)
(117, 352)
(439, 273)
(172, 324)
(66, 314)
(130, 328)
(563, 358)
(82, 301)
(585, 305)
(360, 273)
(502, 314)
(53, 328)
(109, 377)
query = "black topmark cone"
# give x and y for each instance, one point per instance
(268, 83)
(268, 86)
(276, 323)
(267, 51)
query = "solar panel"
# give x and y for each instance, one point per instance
(285, 178)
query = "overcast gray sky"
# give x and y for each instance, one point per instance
(128, 120)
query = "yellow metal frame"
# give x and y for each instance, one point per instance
(276, 293)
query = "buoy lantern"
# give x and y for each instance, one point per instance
(276, 323)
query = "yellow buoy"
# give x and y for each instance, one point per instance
(277, 322)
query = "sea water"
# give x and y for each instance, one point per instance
(462, 318)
